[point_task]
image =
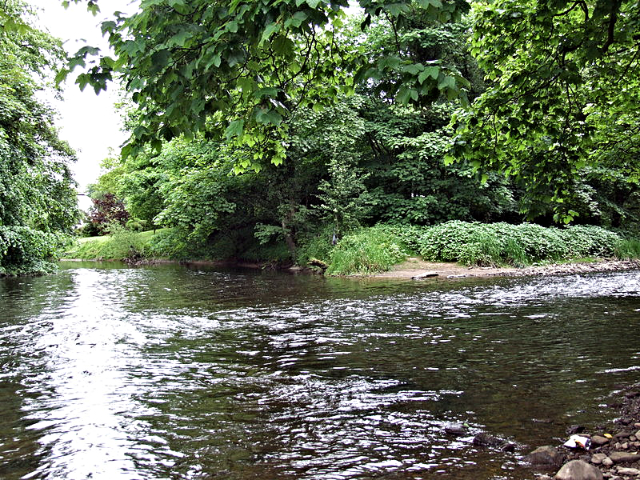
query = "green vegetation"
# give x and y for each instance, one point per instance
(120, 244)
(287, 131)
(377, 249)
(518, 245)
(37, 200)
(370, 250)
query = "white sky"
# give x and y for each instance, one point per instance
(89, 122)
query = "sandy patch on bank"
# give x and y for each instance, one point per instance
(413, 267)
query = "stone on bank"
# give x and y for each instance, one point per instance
(578, 470)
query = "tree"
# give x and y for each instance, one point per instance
(565, 80)
(239, 70)
(107, 210)
(37, 196)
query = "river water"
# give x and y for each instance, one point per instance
(167, 372)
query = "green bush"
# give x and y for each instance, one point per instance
(628, 248)
(369, 250)
(24, 250)
(475, 243)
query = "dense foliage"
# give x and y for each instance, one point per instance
(240, 70)
(563, 94)
(366, 158)
(37, 199)
(519, 245)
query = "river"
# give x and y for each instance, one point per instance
(167, 372)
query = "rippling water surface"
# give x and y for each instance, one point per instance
(174, 373)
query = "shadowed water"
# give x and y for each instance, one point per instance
(166, 372)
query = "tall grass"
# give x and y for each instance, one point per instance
(628, 249)
(369, 250)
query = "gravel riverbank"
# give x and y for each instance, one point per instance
(418, 269)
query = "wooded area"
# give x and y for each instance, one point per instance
(271, 129)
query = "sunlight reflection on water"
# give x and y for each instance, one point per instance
(170, 373)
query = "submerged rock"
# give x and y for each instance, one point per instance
(457, 430)
(578, 470)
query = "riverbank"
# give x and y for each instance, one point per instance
(606, 451)
(416, 268)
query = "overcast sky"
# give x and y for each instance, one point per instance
(89, 122)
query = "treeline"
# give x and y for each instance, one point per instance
(363, 161)
(274, 130)
(38, 206)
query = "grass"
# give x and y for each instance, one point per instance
(119, 245)
(369, 250)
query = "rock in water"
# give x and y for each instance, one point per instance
(456, 430)
(578, 470)
(425, 275)
(545, 456)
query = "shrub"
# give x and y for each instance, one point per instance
(475, 243)
(24, 250)
(369, 250)
(627, 248)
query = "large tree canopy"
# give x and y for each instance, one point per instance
(240, 69)
(564, 95)
(37, 199)
(561, 99)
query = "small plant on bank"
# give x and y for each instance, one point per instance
(628, 249)
(369, 250)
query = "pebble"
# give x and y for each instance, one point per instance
(628, 471)
(599, 441)
(598, 458)
(607, 462)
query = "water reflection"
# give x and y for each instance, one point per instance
(167, 372)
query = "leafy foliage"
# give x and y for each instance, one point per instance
(37, 199)
(501, 243)
(239, 70)
(563, 94)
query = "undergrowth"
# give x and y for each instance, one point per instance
(369, 250)
(473, 243)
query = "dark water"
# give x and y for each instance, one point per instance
(170, 373)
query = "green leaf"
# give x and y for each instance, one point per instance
(403, 95)
(268, 117)
(270, 30)
(235, 129)
(429, 72)
(261, 93)
(232, 26)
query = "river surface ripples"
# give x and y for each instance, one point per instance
(167, 372)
